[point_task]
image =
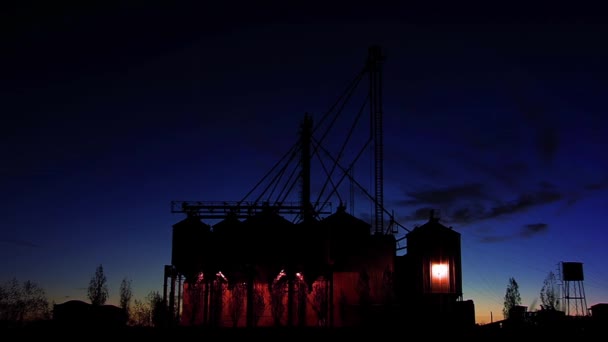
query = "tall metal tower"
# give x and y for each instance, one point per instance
(573, 292)
(374, 65)
(306, 135)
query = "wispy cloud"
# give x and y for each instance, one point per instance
(526, 232)
(494, 239)
(523, 202)
(19, 243)
(596, 186)
(419, 214)
(446, 195)
(469, 202)
(532, 229)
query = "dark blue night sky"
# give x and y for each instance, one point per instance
(496, 117)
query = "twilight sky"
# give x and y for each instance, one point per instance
(494, 117)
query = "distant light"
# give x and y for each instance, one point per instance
(439, 271)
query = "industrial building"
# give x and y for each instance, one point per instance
(257, 266)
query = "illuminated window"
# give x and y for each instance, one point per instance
(440, 278)
(439, 271)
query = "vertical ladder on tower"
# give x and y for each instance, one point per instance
(374, 65)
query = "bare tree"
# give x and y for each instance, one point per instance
(149, 312)
(98, 289)
(237, 302)
(301, 292)
(259, 303)
(548, 293)
(125, 295)
(195, 292)
(319, 301)
(23, 302)
(218, 288)
(277, 293)
(141, 315)
(158, 309)
(512, 297)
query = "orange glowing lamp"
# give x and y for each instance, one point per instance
(439, 271)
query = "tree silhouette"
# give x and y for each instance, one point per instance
(237, 302)
(301, 292)
(319, 301)
(259, 303)
(125, 295)
(23, 302)
(548, 293)
(150, 312)
(218, 288)
(98, 289)
(159, 311)
(278, 289)
(512, 297)
(195, 292)
(141, 315)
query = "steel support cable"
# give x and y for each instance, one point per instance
(276, 182)
(287, 182)
(349, 89)
(353, 84)
(277, 179)
(346, 93)
(348, 96)
(327, 180)
(346, 173)
(290, 151)
(343, 99)
(337, 114)
(293, 155)
(343, 147)
(293, 184)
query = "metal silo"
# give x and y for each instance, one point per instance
(434, 271)
(268, 237)
(231, 240)
(347, 235)
(310, 246)
(434, 262)
(191, 246)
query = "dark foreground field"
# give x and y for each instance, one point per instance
(98, 333)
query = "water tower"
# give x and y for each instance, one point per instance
(573, 292)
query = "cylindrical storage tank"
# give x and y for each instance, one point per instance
(433, 252)
(572, 271)
(269, 238)
(230, 241)
(346, 236)
(192, 246)
(310, 245)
